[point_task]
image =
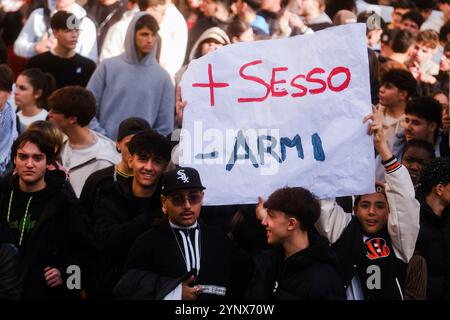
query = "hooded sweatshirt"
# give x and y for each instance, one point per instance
(36, 27)
(8, 133)
(309, 274)
(126, 87)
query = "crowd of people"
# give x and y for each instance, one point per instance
(89, 179)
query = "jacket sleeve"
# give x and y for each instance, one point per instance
(114, 236)
(404, 210)
(97, 85)
(113, 43)
(88, 39)
(166, 112)
(332, 221)
(27, 39)
(9, 272)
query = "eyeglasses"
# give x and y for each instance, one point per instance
(179, 200)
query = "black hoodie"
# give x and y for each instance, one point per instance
(56, 235)
(309, 274)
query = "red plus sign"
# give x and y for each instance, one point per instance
(211, 85)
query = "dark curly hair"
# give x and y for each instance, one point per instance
(296, 202)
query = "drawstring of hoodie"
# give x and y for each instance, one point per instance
(25, 217)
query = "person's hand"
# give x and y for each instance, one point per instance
(426, 78)
(179, 106)
(376, 128)
(414, 68)
(261, 212)
(296, 21)
(45, 44)
(53, 277)
(190, 293)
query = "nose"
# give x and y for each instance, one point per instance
(149, 165)
(29, 162)
(372, 210)
(186, 203)
(264, 221)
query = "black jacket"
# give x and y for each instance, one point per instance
(119, 219)
(157, 260)
(433, 243)
(310, 274)
(354, 259)
(57, 235)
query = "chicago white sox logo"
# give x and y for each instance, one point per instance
(182, 176)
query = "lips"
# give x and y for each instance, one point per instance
(187, 215)
(372, 222)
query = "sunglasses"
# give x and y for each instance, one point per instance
(179, 200)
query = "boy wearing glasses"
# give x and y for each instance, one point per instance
(180, 258)
(127, 208)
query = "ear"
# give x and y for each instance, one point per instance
(73, 119)
(439, 189)
(163, 201)
(130, 161)
(403, 95)
(118, 147)
(432, 126)
(293, 224)
(37, 94)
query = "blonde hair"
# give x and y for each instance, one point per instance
(428, 38)
(51, 132)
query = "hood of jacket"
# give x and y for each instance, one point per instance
(130, 55)
(105, 149)
(317, 251)
(212, 33)
(77, 10)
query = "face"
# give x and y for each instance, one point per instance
(67, 38)
(60, 120)
(210, 46)
(146, 170)
(390, 95)
(418, 128)
(306, 7)
(443, 100)
(373, 37)
(443, 191)
(397, 17)
(372, 212)
(244, 37)
(414, 159)
(444, 63)
(64, 4)
(122, 145)
(158, 12)
(277, 225)
(445, 8)
(411, 26)
(421, 53)
(269, 5)
(194, 4)
(144, 40)
(183, 207)
(31, 165)
(25, 95)
(209, 8)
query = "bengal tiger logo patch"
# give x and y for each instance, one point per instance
(377, 248)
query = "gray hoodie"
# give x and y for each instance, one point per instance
(126, 87)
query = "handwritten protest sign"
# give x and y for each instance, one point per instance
(288, 112)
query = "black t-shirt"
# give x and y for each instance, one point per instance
(72, 71)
